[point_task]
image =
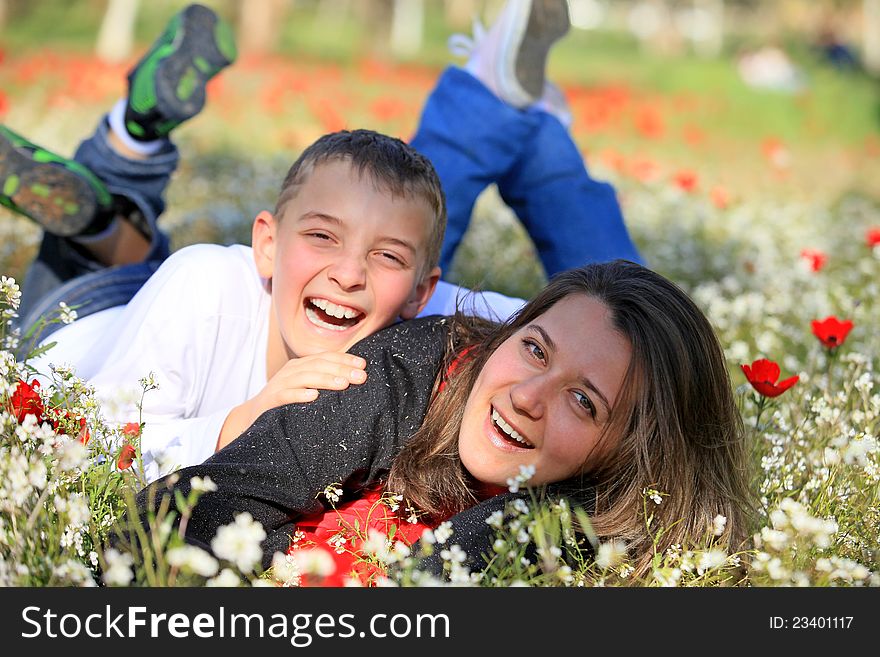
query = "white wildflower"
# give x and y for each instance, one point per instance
(526, 472)
(454, 554)
(314, 562)
(37, 474)
(857, 450)
(775, 539)
(226, 578)
(10, 293)
(285, 570)
(66, 314)
(495, 519)
(653, 495)
(118, 571)
(202, 484)
(72, 454)
(337, 542)
(610, 553)
(377, 543)
(194, 559)
(239, 542)
(333, 493)
(443, 532)
(710, 560)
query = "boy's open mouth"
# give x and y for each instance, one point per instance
(332, 316)
(507, 432)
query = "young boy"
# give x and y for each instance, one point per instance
(229, 332)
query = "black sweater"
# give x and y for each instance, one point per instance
(276, 469)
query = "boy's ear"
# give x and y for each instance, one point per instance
(420, 296)
(263, 242)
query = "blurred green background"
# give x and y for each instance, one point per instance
(731, 101)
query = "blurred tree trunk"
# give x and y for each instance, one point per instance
(374, 18)
(459, 13)
(116, 35)
(332, 10)
(407, 26)
(259, 24)
(871, 27)
(3, 8)
(713, 37)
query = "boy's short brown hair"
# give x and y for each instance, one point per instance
(392, 165)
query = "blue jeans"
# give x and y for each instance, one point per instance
(64, 271)
(475, 139)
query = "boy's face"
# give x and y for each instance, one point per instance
(345, 261)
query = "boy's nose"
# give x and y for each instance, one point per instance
(348, 273)
(528, 397)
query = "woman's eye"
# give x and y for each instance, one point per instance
(534, 349)
(584, 401)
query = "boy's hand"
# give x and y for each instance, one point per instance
(297, 382)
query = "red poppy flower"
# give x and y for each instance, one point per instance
(872, 236)
(719, 196)
(815, 258)
(763, 374)
(644, 169)
(26, 400)
(83, 436)
(649, 122)
(686, 180)
(831, 331)
(126, 457)
(776, 152)
(132, 429)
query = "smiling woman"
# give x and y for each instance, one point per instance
(608, 384)
(612, 381)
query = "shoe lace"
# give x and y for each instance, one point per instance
(462, 45)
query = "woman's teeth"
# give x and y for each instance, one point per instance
(509, 430)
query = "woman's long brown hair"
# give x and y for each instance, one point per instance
(676, 426)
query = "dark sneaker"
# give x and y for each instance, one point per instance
(61, 195)
(167, 86)
(510, 59)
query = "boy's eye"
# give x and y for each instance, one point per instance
(320, 236)
(392, 257)
(534, 349)
(585, 401)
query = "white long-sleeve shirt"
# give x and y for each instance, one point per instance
(200, 327)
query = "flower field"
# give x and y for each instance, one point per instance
(772, 225)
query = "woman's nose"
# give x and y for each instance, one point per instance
(528, 396)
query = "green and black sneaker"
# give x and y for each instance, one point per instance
(61, 195)
(167, 86)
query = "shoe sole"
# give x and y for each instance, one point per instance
(530, 38)
(202, 46)
(58, 199)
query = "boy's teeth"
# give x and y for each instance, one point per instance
(317, 321)
(334, 310)
(509, 430)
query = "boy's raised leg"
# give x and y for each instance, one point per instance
(512, 57)
(61, 195)
(167, 86)
(129, 155)
(474, 125)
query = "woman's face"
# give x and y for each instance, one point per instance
(545, 395)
